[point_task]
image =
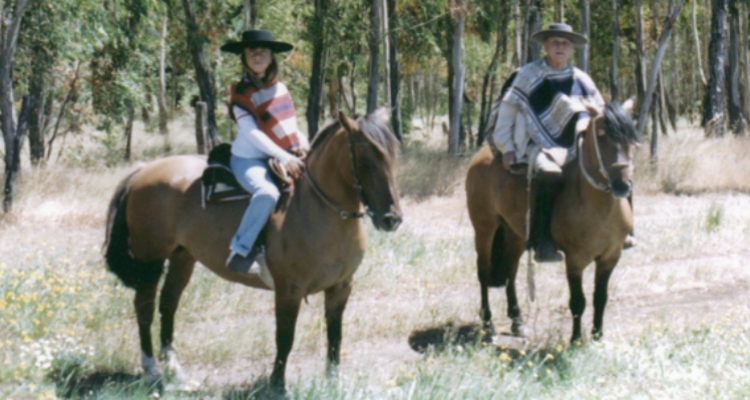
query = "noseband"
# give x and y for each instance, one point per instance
(360, 192)
(603, 171)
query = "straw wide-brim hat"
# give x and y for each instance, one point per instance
(559, 30)
(256, 38)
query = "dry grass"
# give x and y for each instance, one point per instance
(675, 325)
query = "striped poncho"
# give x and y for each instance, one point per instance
(273, 110)
(552, 103)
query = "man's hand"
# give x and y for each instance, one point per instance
(509, 159)
(294, 167)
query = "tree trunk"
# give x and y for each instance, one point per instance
(317, 77)
(736, 124)
(458, 80)
(61, 113)
(200, 127)
(560, 11)
(202, 75)
(640, 67)
(14, 167)
(714, 117)
(489, 77)
(8, 39)
(250, 14)
(615, 50)
(163, 110)
(36, 122)
(656, 64)
(518, 17)
(386, 52)
(534, 23)
(698, 46)
(395, 80)
(654, 150)
(583, 51)
(129, 132)
(744, 32)
(372, 68)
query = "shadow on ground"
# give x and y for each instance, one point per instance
(95, 383)
(448, 335)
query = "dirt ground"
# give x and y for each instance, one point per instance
(685, 272)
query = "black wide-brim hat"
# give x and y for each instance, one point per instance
(559, 30)
(256, 38)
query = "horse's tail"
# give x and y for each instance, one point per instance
(499, 261)
(117, 254)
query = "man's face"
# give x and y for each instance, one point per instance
(558, 50)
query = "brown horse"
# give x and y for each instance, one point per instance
(314, 243)
(590, 219)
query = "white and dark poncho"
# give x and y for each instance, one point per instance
(552, 101)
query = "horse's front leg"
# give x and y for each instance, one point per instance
(604, 270)
(336, 299)
(577, 298)
(288, 299)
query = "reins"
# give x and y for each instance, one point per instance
(603, 187)
(360, 192)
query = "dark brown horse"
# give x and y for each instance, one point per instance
(314, 244)
(590, 220)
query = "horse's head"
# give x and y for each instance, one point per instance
(608, 163)
(374, 149)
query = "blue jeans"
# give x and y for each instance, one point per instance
(253, 175)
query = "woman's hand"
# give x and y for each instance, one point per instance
(294, 167)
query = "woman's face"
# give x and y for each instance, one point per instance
(258, 60)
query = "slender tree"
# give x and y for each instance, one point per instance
(394, 75)
(714, 117)
(374, 46)
(645, 101)
(316, 34)
(615, 49)
(10, 23)
(202, 74)
(458, 79)
(734, 108)
(583, 51)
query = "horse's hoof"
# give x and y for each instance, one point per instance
(597, 335)
(547, 252)
(630, 242)
(332, 371)
(518, 329)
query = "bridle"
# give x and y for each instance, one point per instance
(603, 171)
(357, 185)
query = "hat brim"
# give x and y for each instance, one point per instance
(238, 47)
(578, 40)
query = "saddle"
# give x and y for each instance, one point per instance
(218, 183)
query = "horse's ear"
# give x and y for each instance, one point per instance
(349, 124)
(629, 105)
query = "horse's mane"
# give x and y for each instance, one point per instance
(374, 126)
(619, 124)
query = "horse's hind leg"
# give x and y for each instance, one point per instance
(512, 250)
(181, 265)
(483, 242)
(336, 299)
(603, 272)
(144, 302)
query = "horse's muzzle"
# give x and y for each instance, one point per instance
(389, 222)
(621, 188)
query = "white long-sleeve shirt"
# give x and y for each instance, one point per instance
(251, 142)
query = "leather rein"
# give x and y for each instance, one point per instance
(603, 171)
(360, 192)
